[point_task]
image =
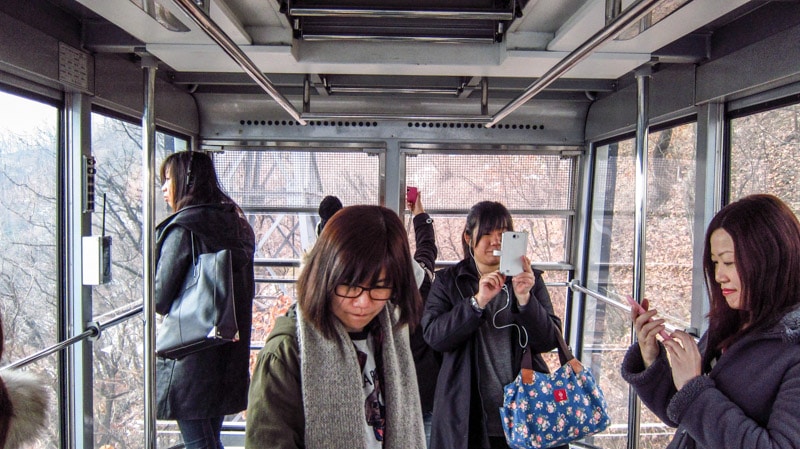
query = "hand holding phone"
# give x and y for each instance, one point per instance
(513, 246)
(638, 307)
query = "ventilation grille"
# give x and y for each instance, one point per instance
(330, 123)
(527, 126)
(374, 124)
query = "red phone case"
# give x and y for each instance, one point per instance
(639, 307)
(411, 194)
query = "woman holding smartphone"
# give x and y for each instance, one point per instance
(481, 320)
(739, 387)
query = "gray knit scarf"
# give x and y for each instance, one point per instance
(333, 398)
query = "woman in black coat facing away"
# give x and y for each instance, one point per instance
(199, 389)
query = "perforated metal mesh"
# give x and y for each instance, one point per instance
(297, 179)
(520, 181)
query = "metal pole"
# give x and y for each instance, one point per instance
(150, 66)
(631, 14)
(76, 362)
(485, 96)
(640, 216)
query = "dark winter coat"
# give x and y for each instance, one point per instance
(450, 325)
(426, 360)
(212, 382)
(749, 400)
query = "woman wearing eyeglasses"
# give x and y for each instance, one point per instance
(337, 371)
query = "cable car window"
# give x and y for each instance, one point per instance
(118, 363)
(28, 260)
(299, 179)
(668, 259)
(537, 188)
(280, 192)
(764, 148)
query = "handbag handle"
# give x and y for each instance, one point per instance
(565, 356)
(194, 256)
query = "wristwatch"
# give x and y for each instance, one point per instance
(475, 306)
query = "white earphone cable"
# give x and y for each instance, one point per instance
(520, 329)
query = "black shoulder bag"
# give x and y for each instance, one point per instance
(203, 315)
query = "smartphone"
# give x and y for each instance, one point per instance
(513, 246)
(637, 306)
(411, 194)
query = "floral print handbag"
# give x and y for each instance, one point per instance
(543, 410)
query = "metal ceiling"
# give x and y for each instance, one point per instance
(298, 52)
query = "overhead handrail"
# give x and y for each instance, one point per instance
(228, 46)
(631, 14)
(576, 286)
(93, 330)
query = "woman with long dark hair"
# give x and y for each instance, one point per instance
(482, 321)
(198, 390)
(337, 371)
(739, 388)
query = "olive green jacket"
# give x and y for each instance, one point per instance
(274, 406)
(290, 369)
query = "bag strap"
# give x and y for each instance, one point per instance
(194, 256)
(565, 356)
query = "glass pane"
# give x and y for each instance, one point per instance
(28, 290)
(118, 357)
(606, 331)
(297, 179)
(271, 301)
(519, 181)
(525, 183)
(764, 148)
(670, 217)
(290, 179)
(546, 242)
(668, 261)
(522, 182)
(279, 251)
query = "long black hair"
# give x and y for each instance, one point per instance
(766, 245)
(483, 218)
(194, 180)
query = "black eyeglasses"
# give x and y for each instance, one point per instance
(354, 291)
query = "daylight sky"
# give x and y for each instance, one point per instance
(21, 115)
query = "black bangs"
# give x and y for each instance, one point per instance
(489, 223)
(362, 263)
